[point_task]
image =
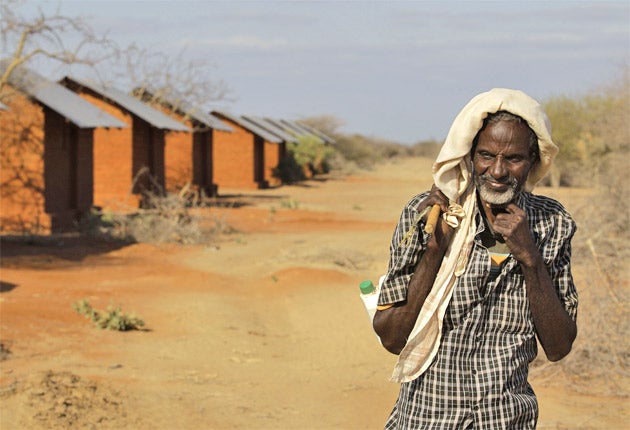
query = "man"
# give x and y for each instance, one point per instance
(463, 306)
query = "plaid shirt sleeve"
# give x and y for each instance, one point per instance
(408, 243)
(555, 228)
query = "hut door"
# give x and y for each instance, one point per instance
(259, 160)
(202, 159)
(73, 167)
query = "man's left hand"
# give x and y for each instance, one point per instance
(514, 228)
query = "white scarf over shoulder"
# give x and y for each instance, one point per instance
(452, 173)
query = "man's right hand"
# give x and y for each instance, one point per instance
(393, 325)
(443, 233)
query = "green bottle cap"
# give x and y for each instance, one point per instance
(367, 287)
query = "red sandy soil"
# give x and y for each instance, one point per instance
(261, 328)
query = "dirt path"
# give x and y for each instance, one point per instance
(262, 329)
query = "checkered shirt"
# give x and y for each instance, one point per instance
(478, 378)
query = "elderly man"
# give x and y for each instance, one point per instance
(463, 306)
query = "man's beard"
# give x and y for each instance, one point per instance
(493, 197)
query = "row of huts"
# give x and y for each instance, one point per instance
(71, 145)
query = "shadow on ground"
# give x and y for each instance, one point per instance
(47, 251)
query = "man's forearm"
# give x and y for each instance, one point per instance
(555, 329)
(393, 325)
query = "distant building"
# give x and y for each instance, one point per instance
(300, 132)
(247, 157)
(46, 147)
(188, 155)
(274, 152)
(130, 161)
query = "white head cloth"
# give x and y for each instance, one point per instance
(452, 174)
(452, 170)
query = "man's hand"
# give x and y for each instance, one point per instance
(443, 233)
(435, 197)
(555, 329)
(514, 228)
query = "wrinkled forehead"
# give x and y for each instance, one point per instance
(504, 136)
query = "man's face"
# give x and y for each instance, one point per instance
(501, 162)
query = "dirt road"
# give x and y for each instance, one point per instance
(261, 328)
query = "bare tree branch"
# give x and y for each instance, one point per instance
(50, 36)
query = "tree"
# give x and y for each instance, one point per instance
(71, 41)
(327, 124)
(47, 36)
(187, 84)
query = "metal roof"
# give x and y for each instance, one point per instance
(284, 127)
(293, 128)
(133, 105)
(209, 120)
(298, 128)
(250, 126)
(325, 137)
(3, 106)
(272, 128)
(60, 99)
(185, 108)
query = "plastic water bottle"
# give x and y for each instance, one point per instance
(369, 295)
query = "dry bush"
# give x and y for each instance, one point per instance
(429, 149)
(162, 218)
(600, 361)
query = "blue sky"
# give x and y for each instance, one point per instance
(399, 70)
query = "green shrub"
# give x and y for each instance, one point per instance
(288, 170)
(111, 319)
(306, 157)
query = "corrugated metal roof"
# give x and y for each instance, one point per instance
(284, 127)
(291, 127)
(298, 128)
(183, 107)
(209, 120)
(133, 105)
(272, 128)
(325, 137)
(269, 137)
(60, 99)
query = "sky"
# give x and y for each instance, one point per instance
(396, 70)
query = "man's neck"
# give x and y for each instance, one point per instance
(490, 211)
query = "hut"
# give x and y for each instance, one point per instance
(240, 156)
(127, 162)
(275, 154)
(188, 158)
(46, 161)
(309, 169)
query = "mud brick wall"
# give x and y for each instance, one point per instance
(46, 165)
(22, 166)
(238, 159)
